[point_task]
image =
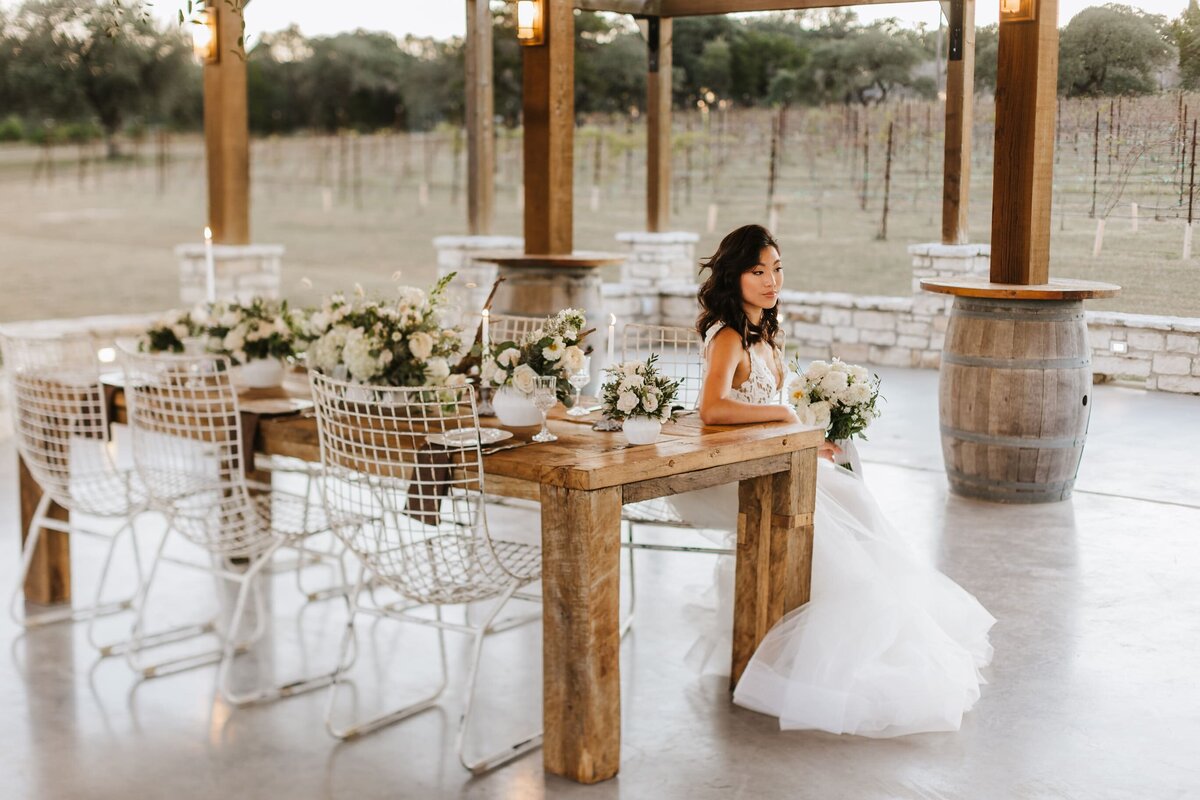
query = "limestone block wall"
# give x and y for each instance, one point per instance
(242, 272)
(658, 258)
(1159, 353)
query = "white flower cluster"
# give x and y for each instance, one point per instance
(550, 350)
(171, 329)
(836, 396)
(638, 389)
(396, 343)
(258, 329)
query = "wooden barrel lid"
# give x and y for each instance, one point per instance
(1056, 289)
(580, 259)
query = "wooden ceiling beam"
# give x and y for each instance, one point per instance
(693, 8)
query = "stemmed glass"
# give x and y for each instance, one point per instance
(579, 380)
(545, 395)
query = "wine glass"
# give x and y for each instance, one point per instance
(545, 395)
(579, 380)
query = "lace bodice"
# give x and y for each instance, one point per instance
(760, 387)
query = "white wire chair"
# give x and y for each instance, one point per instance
(61, 425)
(187, 450)
(412, 509)
(511, 327)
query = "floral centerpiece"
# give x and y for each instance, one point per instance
(256, 336)
(640, 395)
(551, 350)
(841, 398)
(171, 332)
(385, 343)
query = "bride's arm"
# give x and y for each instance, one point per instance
(716, 405)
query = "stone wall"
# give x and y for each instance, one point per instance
(242, 272)
(658, 258)
(1158, 353)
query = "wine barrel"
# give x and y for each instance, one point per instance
(1013, 398)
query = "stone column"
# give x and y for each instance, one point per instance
(924, 331)
(659, 258)
(243, 271)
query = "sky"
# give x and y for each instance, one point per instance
(445, 18)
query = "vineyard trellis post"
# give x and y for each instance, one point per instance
(887, 184)
(658, 124)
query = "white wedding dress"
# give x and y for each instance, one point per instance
(886, 646)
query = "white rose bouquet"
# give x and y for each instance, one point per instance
(839, 397)
(168, 333)
(551, 350)
(639, 389)
(398, 343)
(245, 332)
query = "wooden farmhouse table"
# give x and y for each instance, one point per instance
(581, 481)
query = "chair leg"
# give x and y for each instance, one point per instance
(140, 641)
(514, 751)
(67, 613)
(383, 720)
(628, 621)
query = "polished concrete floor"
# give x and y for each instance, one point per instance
(1093, 692)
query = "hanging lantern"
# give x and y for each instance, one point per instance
(1018, 10)
(205, 44)
(531, 22)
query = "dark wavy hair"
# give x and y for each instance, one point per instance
(721, 295)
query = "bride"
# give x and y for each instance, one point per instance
(887, 645)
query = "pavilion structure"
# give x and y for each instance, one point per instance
(1020, 235)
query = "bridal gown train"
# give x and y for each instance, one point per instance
(886, 646)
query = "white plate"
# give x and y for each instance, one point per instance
(464, 437)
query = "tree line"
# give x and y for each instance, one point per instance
(79, 69)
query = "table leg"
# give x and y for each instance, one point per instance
(49, 578)
(774, 552)
(581, 547)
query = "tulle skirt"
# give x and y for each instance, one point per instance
(886, 646)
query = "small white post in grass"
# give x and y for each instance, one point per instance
(1133, 215)
(1187, 241)
(210, 268)
(595, 201)
(423, 195)
(711, 225)
(1099, 243)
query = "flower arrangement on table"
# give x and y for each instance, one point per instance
(641, 396)
(552, 350)
(841, 398)
(169, 334)
(255, 331)
(385, 343)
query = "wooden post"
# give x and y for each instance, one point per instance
(49, 578)
(481, 136)
(1026, 93)
(658, 124)
(960, 103)
(549, 111)
(226, 132)
(581, 697)
(774, 553)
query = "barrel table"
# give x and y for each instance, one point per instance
(1014, 390)
(537, 285)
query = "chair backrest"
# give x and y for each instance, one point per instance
(60, 420)
(680, 355)
(188, 450)
(510, 327)
(401, 489)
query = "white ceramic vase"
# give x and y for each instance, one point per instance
(515, 409)
(641, 430)
(261, 373)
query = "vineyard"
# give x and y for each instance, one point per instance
(369, 205)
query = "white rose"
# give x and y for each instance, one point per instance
(630, 382)
(524, 379)
(180, 330)
(820, 414)
(318, 323)
(650, 403)
(573, 359)
(834, 383)
(627, 402)
(554, 351)
(509, 357)
(860, 374)
(456, 380)
(421, 345)
(229, 319)
(489, 373)
(816, 370)
(857, 394)
(356, 354)
(437, 368)
(234, 340)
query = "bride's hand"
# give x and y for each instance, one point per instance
(828, 450)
